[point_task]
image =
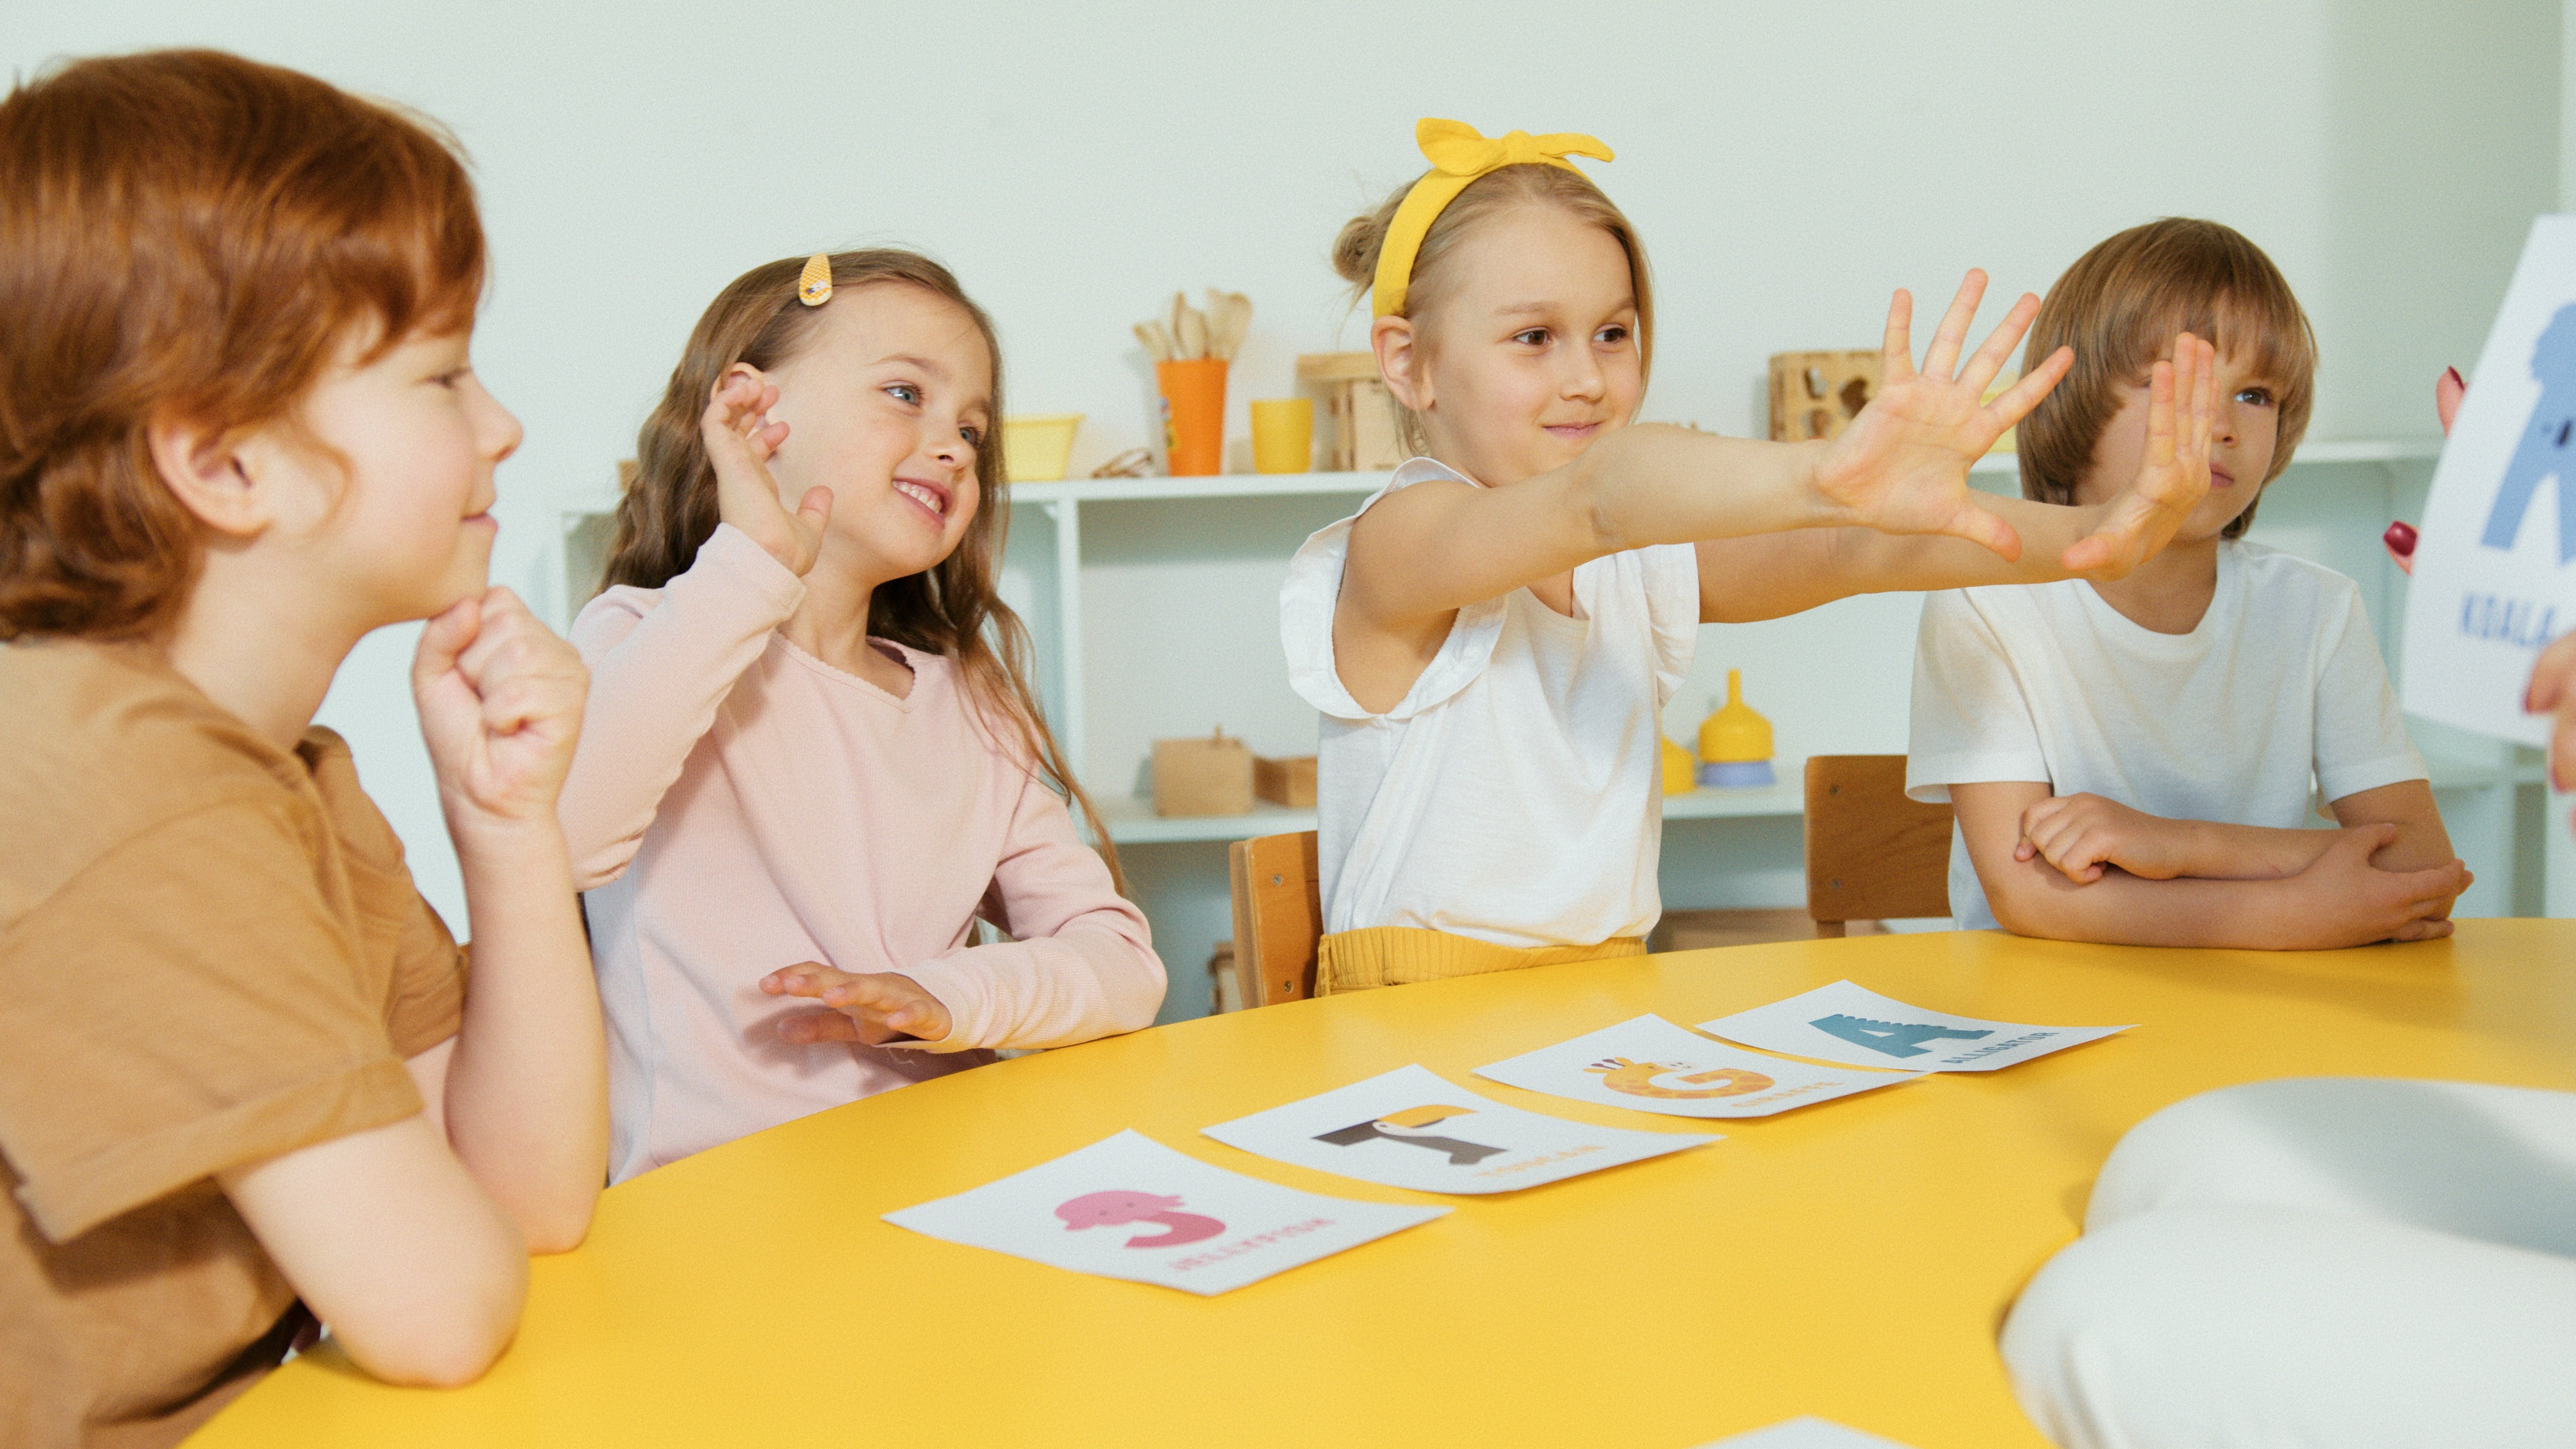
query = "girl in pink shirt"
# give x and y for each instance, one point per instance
(811, 759)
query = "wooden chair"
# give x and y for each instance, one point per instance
(1278, 917)
(1872, 853)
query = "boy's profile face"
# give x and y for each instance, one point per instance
(1531, 356)
(2241, 439)
(405, 529)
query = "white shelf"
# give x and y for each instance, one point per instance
(590, 502)
(1215, 485)
(1132, 821)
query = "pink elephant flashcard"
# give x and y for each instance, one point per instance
(1412, 1128)
(1129, 1207)
(1649, 1064)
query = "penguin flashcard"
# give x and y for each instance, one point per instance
(1855, 1025)
(1412, 1128)
(1130, 1207)
(1652, 1065)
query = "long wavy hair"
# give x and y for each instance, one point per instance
(953, 610)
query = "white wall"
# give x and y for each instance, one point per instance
(1788, 165)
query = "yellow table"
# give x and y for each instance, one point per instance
(1850, 1260)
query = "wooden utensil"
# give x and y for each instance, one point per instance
(1158, 342)
(1194, 333)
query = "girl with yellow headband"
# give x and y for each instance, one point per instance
(1491, 639)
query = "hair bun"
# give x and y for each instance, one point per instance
(1355, 250)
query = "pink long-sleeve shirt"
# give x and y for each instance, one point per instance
(737, 805)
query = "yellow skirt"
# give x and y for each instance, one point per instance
(1400, 955)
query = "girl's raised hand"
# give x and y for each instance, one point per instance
(2173, 474)
(874, 1008)
(1902, 466)
(740, 440)
(500, 699)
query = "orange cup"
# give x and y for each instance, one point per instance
(1193, 415)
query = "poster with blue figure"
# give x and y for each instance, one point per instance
(2495, 570)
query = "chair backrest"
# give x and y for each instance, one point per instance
(1872, 853)
(1278, 917)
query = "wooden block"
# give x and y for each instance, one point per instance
(1817, 394)
(1319, 368)
(1289, 782)
(1203, 775)
(1363, 434)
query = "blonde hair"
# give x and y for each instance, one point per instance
(1493, 194)
(2119, 307)
(954, 609)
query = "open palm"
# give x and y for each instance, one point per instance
(1902, 466)
(740, 440)
(2173, 474)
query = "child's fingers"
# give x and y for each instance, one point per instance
(449, 633)
(1991, 355)
(2015, 402)
(806, 978)
(2162, 379)
(1941, 360)
(1896, 352)
(816, 507)
(2204, 405)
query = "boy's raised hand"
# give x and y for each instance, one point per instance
(2173, 474)
(874, 1008)
(1902, 466)
(740, 440)
(500, 699)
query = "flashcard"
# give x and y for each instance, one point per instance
(1652, 1065)
(1803, 1432)
(1129, 1207)
(1848, 1023)
(2495, 567)
(1412, 1128)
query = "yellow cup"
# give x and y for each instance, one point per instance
(1283, 435)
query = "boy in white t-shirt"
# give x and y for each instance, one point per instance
(2136, 761)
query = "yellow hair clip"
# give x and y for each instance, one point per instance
(1458, 155)
(814, 287)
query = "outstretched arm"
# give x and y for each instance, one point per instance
(1773, 575)
(2338, 899)
(1902, 467)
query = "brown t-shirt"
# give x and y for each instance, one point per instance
(210, 955)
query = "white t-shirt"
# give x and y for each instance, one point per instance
(2278, 697)
(1514, 794)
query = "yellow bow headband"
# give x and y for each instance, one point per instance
(1458, 156)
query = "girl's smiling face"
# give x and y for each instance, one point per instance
(888, 406)
(1529, 355)
(2241, 439)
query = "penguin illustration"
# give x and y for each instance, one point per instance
(1401, 1127)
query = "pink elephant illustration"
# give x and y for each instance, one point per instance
(1104, 1209)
